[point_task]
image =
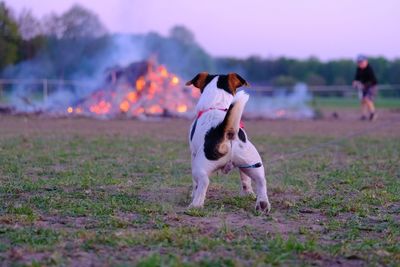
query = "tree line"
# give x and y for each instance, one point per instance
(74, 44)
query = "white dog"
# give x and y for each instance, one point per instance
(217, 140)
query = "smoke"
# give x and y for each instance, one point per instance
(84, 60)
(87, 61)
(281, 105)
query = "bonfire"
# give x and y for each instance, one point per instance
(141, 89)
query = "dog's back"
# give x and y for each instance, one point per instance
(214, 129)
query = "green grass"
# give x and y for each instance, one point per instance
(347, 102)
(122, 200)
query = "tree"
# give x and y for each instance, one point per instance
(75, 23)
(9, 37)
(182, 34)
(284, 81)
(339, 80)
(393, 73)
(29, 26)
(315, 79)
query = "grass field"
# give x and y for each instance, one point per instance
(83, 192)
(349, 102)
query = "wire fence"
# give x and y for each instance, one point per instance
(385, 90)
(41, 89)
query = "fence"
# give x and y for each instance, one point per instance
(385, 90)
(38, 89)
(41, 89)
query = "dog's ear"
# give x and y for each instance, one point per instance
(235, 81)
(199, 81)
(231, 82)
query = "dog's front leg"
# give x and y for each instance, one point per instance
(194, 186)
(246, 184)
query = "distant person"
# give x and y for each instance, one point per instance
(365, 81)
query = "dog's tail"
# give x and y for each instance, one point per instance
(234, 114)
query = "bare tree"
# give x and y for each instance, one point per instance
(76, 22)
(182, 34)
(29, 26)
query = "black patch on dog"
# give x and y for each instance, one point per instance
(222, 83)
(229, 83)
(193, 129)
(215, 136)
(263, 205)
(257, 165)
(208, 80)
(242, 136)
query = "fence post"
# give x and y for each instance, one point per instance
(1, 91)
(45, 90)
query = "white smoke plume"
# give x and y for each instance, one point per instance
(281, 105)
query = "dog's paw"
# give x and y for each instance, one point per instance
(195, 211)
(263, 206)
(249, 193)
(195, 206)
(228, 168)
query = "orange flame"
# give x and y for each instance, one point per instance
(175, 80)
(154, 92)
(155, 109)
(103, 107)
(132, 97)
(182, 108)
(138, 111)
(163, 72)
(124, 106)
(140, 83)
(70, 110)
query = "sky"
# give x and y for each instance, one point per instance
(267, 28)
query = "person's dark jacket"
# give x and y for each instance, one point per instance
(366, 76)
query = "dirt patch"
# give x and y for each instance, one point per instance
(178, 129)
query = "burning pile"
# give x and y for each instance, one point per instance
(146, 89)
(139, 90)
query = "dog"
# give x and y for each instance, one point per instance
(218, 141)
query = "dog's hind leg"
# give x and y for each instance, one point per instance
(247, 158)
(200, 190)
(246, 184)
(257, 175)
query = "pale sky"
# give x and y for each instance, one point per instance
(268, 28)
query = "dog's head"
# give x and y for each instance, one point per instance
(230, 82)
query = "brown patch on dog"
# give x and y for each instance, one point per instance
(223, 148)
(229, 82)
(200, 80)
(235, 81)
(230, 134)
